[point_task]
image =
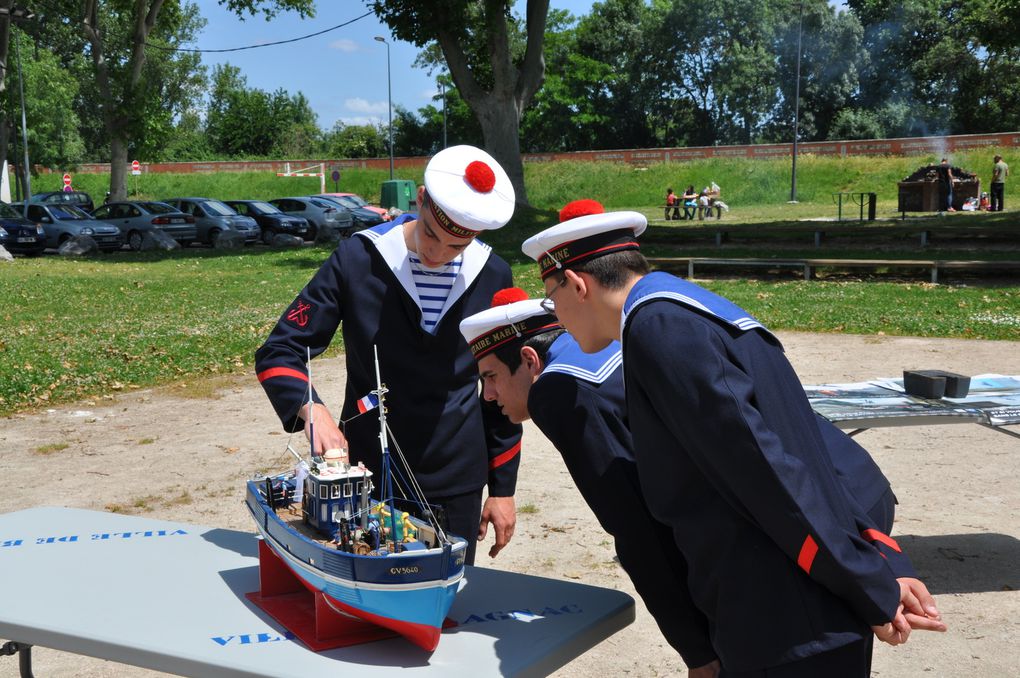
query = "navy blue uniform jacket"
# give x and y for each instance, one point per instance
(453, 442)
(578, 403)
(782, 560)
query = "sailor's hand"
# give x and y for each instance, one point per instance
(919, 606)
(327, 435)
(916, 611)
(501, 512)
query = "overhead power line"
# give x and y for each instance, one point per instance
(264, 44)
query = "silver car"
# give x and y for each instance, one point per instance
(318, 213)
(63, 222)
(135, 218)
(212, 217)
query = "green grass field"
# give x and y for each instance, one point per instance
(74, 329)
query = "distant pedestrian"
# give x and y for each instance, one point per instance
(1000, 170)
(946, 180)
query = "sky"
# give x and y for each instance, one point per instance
(342, 73)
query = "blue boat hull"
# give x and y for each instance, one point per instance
(410, 593)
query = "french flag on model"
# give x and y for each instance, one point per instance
(369, 402)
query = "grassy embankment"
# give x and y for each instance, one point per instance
(75, 329)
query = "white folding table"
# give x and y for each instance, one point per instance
(171, 597)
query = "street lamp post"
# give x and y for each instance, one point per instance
(442, 88)
(389, 95)
(18, 14)
(796, 104)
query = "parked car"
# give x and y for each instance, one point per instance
(134, 218)
(270, 219)
(318, 212)
(18, 235)
(212, 217)
(77, 198)
(354, 201)
(363, 218)
(63, 222)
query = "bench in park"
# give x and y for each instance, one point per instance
(721, 233)
(808, 267)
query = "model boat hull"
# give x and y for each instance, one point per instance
(409, 592)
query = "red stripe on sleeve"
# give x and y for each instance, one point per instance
(808, 550)
(281, 372)
(503, 458)
(875, 535)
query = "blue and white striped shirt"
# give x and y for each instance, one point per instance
(434, 287)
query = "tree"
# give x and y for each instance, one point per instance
(475, 37)
(118, 33)
(356, 141)
(50, 91)
(252, 122)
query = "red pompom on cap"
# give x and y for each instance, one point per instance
(480, 176)
(509, 295)
(580, 208)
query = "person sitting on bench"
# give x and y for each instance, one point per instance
(672, 204)
(690, 199)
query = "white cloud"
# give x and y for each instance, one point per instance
(358, 120)
(344, 45)
(359, 105)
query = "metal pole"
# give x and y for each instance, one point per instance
(24, 128)
(389, 94)
(796, 104)
(442, 87)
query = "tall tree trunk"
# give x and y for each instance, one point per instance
(500, 125)
(118, 167)
(118, 111)
(499, 111)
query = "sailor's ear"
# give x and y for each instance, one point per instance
(531, 361)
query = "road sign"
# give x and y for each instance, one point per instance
(136, 167)
(67, 180)
(335, 175)
(68, 189)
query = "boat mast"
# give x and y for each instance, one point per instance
(387, 482)
(311, 402)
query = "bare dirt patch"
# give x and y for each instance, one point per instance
(183, 452)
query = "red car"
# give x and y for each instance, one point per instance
(353, 201)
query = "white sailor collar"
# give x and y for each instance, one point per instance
(661, 285)
(565, 356)
(388, 240)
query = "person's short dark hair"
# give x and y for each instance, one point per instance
(510, 355)
(997, 158)
(612, 271)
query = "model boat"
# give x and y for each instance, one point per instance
(379, 558)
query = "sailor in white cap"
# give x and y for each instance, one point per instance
(404, 289)
(793, 574)
(534, 370)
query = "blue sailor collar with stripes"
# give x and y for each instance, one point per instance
(388, 240)
(660, 285)
(566, 357)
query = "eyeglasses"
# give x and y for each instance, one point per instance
(547, 304)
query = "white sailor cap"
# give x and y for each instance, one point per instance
(586, 231)
(513, 317)
(466, 191)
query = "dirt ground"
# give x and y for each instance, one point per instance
(959, 512)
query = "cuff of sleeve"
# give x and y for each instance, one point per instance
(292, 422)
